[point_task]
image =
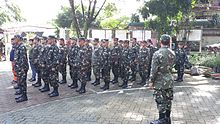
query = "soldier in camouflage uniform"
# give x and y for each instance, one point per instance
(124, 64)
(105, 64)
(62, 60)
(115, 58)
(83, 62)
(181, 59)
(152, 51)
(36, 61)
(96, 63)
(143, 62)
(21, 68)
(161, 80)
(133, 53)
(89, 51)
(72, 61)
(51, 65)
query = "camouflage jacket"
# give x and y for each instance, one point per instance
(96, 58)
(115, 53)
(52, 57)
(152, 51)
(20, 59)
(133, 52)
(105, 58)
(144, 56)
(36, 54)
(181, 57)
(63, 55)
(125, 60)
(72, 56)
(89, 52)
(42, 55)
(162, 63)
(83, 59)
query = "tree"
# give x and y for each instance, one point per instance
(113, 23)
(89, 15)
(135, 18)
(9, 12)
(166, 11)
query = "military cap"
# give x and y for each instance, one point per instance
(61, 39)
(105, 40)
(165, 37)
(73, 38)
(18, 37)
(144, 41)
(31, 40)
(96, 39)
(36, 38)
(81, 38)
(87, 40)
(44, 38)
(126, 41)
(180, 43)
(115, 39)
(51, 37)
(120, 40)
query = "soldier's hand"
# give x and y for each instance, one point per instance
(151, 85)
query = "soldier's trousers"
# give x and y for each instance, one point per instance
(125, 73)
(74, 73)
(38, 71)
(96, 71)
(180, 71)
(82, 77)
(163, 99)
(143, 71)
(106, 75)
(70, 71)
(45, 76)
(54, 78)
(22, 80)
(89, 71)
(62, 69)
(115, 70)
(133, 67)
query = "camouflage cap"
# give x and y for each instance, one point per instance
(81, 38)
(96, 40)
(18, 37)
(165, 37)
(51, 37)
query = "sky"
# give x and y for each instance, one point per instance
(43, 11)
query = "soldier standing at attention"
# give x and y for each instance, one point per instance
(96, 61)
(83, 64)
(33, 69)
(36, 61)
(143, 62)
(181, 59)
(133, 53)
(52, 63)
(62, 60)
(105, 64)
(72, 61)
(21, 68)
(152, 51)
(115, 56)
(89, 51)
(125, 61)
(161, 80)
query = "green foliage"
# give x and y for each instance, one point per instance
(109, 10)
(205, 60)
(113, 23)
(135, 18)
(9, 12)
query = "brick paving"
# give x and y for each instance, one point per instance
(196, 101)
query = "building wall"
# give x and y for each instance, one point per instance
(208, 40)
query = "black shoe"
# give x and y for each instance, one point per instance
(18, 92)
(179, 80)
(106, 87)
(46, 88)
(63, 82)
(22, 98)
(70, 85)
(132, 79)
(77, 90)
(54, 93)
(159, 121)
(124, 86)
(114, 81)
(37, 84)
(83, 90)
(16, 87)
(74, 86)
(96, 83)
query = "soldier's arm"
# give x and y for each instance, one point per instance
(154, 67)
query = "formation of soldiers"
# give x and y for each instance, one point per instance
(83, 57)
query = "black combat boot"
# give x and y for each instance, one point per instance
(97, 82)
(77, 90)
(168, 117)
(37, 84)
(22, 98)
(16, 87)
(162, 119)
(45, 88)
(106, 86)
(63, 80)
(75, 84)
(114, 81)
(83, 89)
(54, 93)
(125, 84)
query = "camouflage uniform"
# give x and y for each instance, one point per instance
(181, 59)
(143, 64)
(105, 67)
(161, 77)
(115, 65)
(133, 54)
(62, 62)
(96, 63)
(124, 64)
(36, 62)
(83, 62)
(21, 68)
(152, 51)
(52, 63)
(89, 51)
(74, 68)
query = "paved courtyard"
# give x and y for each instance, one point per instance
(196, 101)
